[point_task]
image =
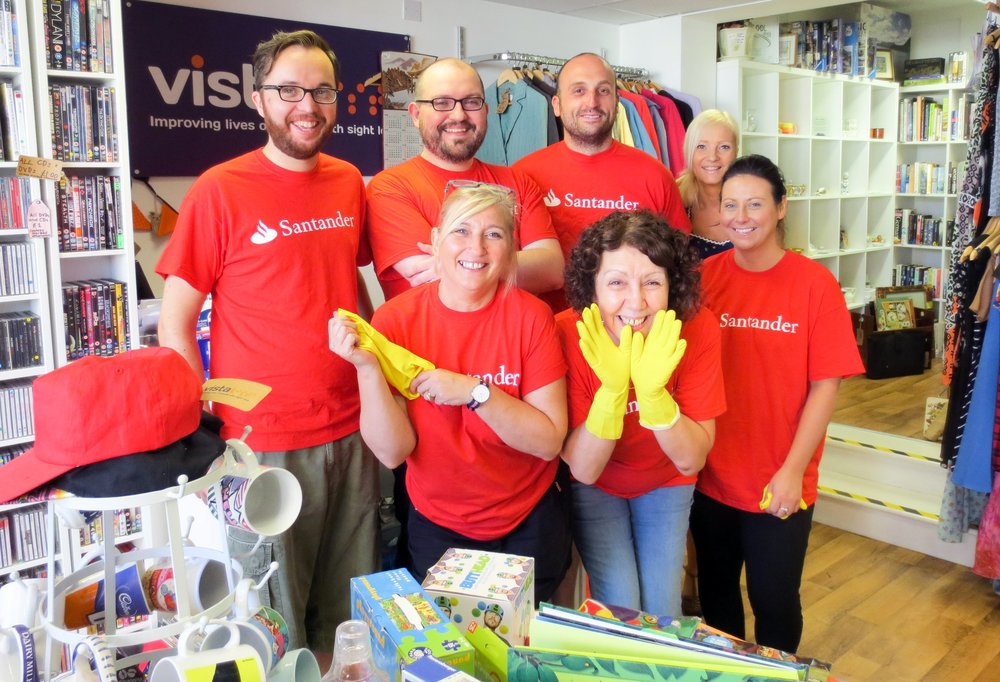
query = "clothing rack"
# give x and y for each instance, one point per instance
(624, 71)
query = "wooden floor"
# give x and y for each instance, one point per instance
(892, 405)
(879, 612)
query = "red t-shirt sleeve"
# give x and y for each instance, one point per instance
(196, 249)
(833, 351)
(395, 223)
(544, 362)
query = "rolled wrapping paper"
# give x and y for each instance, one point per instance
(399, 366)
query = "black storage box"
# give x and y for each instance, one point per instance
(898, 353)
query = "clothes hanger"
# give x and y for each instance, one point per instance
(992, 232)
(508, 75)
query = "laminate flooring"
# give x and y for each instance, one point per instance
(894, 405)
(879, 612)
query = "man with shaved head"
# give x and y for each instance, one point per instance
(404, 201)
(589, 174)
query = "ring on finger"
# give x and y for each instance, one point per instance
(783, 511)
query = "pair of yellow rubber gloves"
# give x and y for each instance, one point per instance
(648, 362)
(399, 366)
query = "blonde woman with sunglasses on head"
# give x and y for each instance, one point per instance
(482, 433)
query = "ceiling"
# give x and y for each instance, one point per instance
(632, 11)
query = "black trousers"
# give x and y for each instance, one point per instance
(773, 550)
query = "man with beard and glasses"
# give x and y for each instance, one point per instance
(275, 236)
(589, 175)
(404, 201)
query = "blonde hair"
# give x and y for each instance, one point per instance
(687, 183)
(464, 202)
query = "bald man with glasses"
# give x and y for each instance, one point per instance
(404, 201)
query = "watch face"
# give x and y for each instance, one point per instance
(481, 393)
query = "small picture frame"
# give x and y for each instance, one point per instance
(895, 315)
(883, 65)
(920, 295)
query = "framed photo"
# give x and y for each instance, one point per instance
(883, 65)
(895, 315)
(921, 296)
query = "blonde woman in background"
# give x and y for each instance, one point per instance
(711, 144)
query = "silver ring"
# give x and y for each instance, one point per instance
(782, 510)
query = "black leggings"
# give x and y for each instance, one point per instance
(774, 552)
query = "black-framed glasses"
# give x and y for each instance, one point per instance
(295, 93)
(470, 103)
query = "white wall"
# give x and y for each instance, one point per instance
(489, 27)
(938, 32)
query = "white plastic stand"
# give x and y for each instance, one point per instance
(238, 459)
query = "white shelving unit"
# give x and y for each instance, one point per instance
(843, 217)
(114, 263)
(945, 147)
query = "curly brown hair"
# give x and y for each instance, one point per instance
(649, 234)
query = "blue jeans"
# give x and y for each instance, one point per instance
(633, 548)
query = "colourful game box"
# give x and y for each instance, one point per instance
(491, 653)
(405, 625)
(496, 590)
(430, 669)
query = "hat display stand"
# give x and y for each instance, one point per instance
(238, 458)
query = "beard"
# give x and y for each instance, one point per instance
(284, 139)
(589, 136)
(454, 151)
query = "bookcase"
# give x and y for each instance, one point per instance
(78, 77)
(834, 138)
(933, 132)
(70, 294)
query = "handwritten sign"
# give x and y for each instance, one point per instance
(39, 219)
(37, 167)
(239, 393)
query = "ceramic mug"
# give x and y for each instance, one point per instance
(85, 606)
(206, 579)
(17, 655)
(264, 630)
(234, 661)
(261, 499)
(19, 601)
(298, 665)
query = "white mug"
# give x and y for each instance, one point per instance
(261, 627)
(261, 499)
(238, 662)
(19, 600)
(298, 665)
(206, 579)
(18, 661)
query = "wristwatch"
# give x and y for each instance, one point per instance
(480, 394)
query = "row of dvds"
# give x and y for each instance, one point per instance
(89, 213)
(9, 38)
(13, 128)
(15, 197)
(96, 318)
(127, 522)
(78, 35)
(12, 451)
(83, 123)
(20, 340)
(22, 536)
(16, 411)
(17, 268)
(920, 229)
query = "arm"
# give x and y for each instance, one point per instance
(417, 270)
(586, 454)
(365, 307)
(535, 425)
(540, 266)
(385, 425)
(786, 484)
(178, 320)
(687, 443)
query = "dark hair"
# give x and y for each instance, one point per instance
(268, 51)
(759, 167)
(649, 234)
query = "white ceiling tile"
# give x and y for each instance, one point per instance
(607, 15)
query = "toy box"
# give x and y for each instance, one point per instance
(430, 669)
(405, 625)
(491, 653)
(496, 590)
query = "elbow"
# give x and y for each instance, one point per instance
(585, 475)
(692, 465)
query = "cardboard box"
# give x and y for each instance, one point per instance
(430, 669)
(495, 590)
(405, 625)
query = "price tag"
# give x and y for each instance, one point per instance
(39, 219)
(37, 167)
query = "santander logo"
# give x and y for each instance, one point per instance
(264, 234)
(551, 200)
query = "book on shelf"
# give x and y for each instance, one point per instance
(924, 69)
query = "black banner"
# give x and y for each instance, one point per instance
(189, 81)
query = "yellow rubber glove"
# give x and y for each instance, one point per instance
(765, 501)
(399, 366)
(654, 360)
(611, 365)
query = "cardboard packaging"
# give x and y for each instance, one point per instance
(430, 669)
(491, 653)
(495, 590)
(405, 625)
